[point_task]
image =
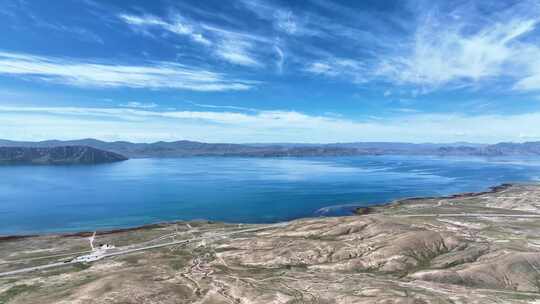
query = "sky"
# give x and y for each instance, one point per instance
(257, 71)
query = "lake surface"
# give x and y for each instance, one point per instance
(44, 199)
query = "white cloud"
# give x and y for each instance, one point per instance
(447, 46)
(140, 105)
(529, 83)
(445, 53)
(237, 52)
(237, 47)
(349, 69)
(228, 107)
(36, 123)
(84, 73)
(147, 20)
(283, 19)
(178, 26)
(280, 58)
(286, 22)
(531, 80)
(233, 47)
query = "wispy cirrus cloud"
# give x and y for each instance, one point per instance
(350, 69)
(237, 51)
(283, 19)
(237, 47)
(410, 47)
(275, 118)
(280, 58)
(231, 46)
(178, 26)
(442, 54)
(531, 80)
(139, 105)
(450, 47)
(93, 74)
(226, 107)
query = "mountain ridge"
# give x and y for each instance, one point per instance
(186, 148)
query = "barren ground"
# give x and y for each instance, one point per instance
(481, 248)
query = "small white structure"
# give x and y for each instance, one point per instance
(96, 254)
(106, 246)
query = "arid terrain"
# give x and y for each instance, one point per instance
(470, 248)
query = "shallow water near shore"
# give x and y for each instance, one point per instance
(46, 199)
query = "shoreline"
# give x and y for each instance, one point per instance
(359, 211)
(490, 190)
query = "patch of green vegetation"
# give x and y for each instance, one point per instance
(296, 267)
(175, 253)
(225, 249)
(61, 270)
(81, 266)
(65, 289)
(85, 280)
(177, 264)
(521, 297)
(15, 291)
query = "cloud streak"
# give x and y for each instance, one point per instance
(139, 105)
(91, 74)
(260, 126)
(350, 69)
(228, 107)
(178, 26)
(449, 47)
(442, 54)
(234, 47)
(284, 20)
(237, 51)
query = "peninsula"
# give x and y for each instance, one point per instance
(57, 155)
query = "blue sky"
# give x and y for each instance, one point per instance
(270, 71)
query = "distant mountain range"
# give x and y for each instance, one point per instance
(61, 155)
(191, 148)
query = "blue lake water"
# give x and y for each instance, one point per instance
(44, 199)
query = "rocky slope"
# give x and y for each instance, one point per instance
(61, 155)
(472, 248)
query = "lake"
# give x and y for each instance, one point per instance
(45, 199)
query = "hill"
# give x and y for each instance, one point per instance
(61, 155)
